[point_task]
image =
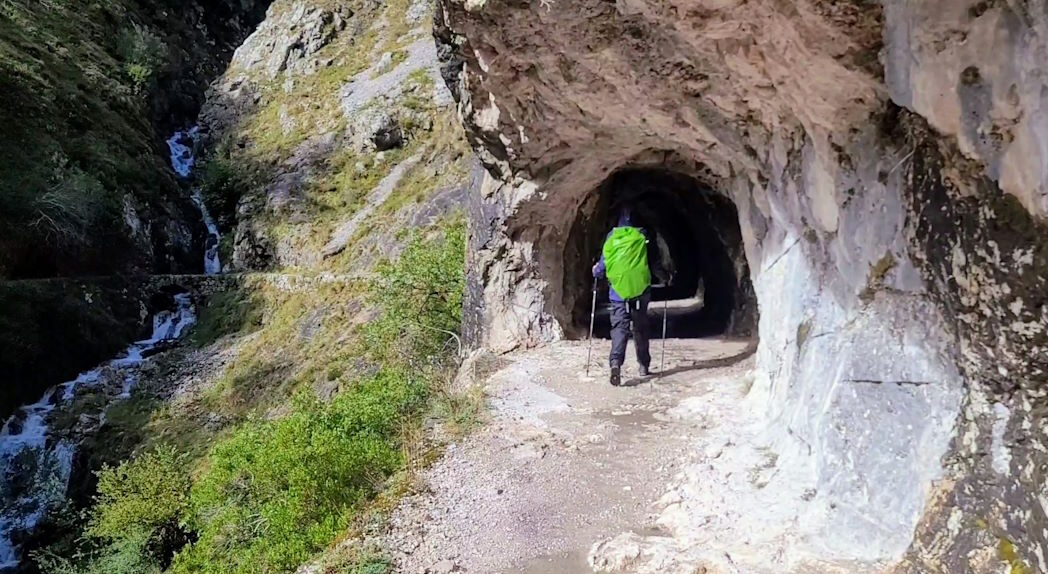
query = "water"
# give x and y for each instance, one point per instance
(36, 468)
(182, 161)
(181, 147)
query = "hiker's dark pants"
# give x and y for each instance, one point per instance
(622, 314)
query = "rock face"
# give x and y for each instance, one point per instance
(338, 111)
(884, 159)
(90, 95)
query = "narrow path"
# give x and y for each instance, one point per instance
(566, 462)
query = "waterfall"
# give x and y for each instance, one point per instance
(35, 468)
(182, 161)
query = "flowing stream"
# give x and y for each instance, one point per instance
(182, 161)
(35, 466)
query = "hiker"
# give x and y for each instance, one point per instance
(624, 260)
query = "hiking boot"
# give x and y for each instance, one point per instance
(644, 371)
(616, 376)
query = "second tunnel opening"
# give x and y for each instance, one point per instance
(699, 272)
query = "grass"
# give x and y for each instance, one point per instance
(284, 489)
(226, 313)
(446, 140)
(339, 184)
(278, 484)
(461, 413)
(320, 417)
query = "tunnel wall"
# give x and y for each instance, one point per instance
(892, 215)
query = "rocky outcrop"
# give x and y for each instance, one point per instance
(883, 160)
(335, 108)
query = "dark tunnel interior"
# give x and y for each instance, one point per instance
(699, 272)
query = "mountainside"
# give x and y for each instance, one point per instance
(330, 157)
(328, 134)
(90, 92)
(367, 255)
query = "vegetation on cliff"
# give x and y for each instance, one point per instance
(89, 90)
(303, 398)
(275, 489)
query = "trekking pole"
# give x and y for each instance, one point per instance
(593, 313)
(662, 361)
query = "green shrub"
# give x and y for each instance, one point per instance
(276, 492)
(140, 496)
(223, 184)
(135, 525)
(143, 54)
(420, 295)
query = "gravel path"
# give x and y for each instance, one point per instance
(566, 462)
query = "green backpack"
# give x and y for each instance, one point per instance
(626, 261)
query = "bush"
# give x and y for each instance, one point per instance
(140, 496)
(275, 492)
(143, 54)
(420, 295)
(135, 525)
(278, 491)
(68, 211)
(223, 184)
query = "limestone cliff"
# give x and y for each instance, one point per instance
(886, 166)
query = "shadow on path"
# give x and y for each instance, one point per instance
(717, 363)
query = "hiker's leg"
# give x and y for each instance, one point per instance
(620, 325)
(639, 311)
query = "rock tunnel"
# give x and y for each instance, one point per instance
(897, 250)
(699, 270)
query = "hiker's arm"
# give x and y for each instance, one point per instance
(598, 269)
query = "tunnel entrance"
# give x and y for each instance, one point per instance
(694, 238)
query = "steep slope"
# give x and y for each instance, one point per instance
(329, 132)
(335, 167)
(884, 162)
(90, 91)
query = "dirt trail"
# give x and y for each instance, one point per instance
(564, 463)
